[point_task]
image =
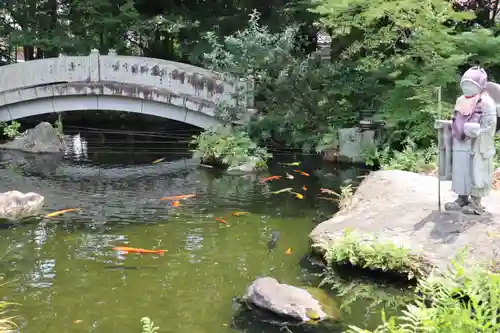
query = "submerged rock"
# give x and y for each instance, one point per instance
(43, 138)
(249, 166)
(284, 300)
(15, 205)
(402, 208)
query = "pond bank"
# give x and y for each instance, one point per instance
(401, 208)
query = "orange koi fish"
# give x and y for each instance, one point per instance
(176, 204)
(288, 251)
(304, 188)
(158, 160)
(328, 191)
(302, 173)
(178, 197)
(218, 219)
(240, 213)
(263, 180)
(126, 249)
(60, 212)
(298, 195)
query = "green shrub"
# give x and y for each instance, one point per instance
(409, 159)
(460, 301)
(228, 147)
(11, 130)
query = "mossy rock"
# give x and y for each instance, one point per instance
(251, 312)
(328, 304)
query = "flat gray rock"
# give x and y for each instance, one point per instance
(43, 138)
(282, 299)
(402, 207)
(15, 205)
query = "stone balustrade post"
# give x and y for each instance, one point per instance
(94, 65)
(112, 52)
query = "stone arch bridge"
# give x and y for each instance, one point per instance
(156, 87)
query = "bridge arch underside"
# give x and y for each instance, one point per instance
(116, 97)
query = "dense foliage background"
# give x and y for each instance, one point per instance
(387, 56)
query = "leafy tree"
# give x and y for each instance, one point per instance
(401, 50)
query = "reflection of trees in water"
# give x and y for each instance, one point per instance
(224, 187)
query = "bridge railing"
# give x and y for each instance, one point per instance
(155, 73)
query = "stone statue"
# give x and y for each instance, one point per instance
(466, 143)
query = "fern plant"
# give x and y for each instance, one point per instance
(226, 146)
(411, 158)
(462, 300)
(366, 251)
(148, 326)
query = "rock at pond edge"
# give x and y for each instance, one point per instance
(43, 138)
(249, 166)
(402, 207)
(15, 205)
(268, 294)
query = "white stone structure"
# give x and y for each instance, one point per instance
(111, 82)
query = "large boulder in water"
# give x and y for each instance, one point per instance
(15, 205)
(401, 208)
(43, 138)
(284, 300)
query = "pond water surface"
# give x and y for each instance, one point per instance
(66, 277)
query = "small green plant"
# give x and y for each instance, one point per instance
(148, 326)
(58, 126)
(497, 155)
(225, 146)
(462, 300)
(11, 130)
(366, 251)
(344, 198)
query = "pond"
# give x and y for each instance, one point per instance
(66, 277)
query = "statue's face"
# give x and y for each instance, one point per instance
(470, 88)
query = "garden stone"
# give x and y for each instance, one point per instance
(15, 205)
(402, 207)
(43, 138)
(284, 300)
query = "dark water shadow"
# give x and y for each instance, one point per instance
(258, 321)
(30, 163)
(348, 272)
(312, 264)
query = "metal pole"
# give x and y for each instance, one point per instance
(439, 139)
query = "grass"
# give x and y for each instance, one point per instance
(368, 252)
